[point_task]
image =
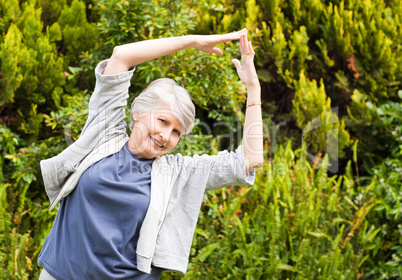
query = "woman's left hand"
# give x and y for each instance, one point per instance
(246, 69)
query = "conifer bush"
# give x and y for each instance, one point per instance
(349, 47)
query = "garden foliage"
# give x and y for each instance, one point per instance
(296, 222)
(328, 70)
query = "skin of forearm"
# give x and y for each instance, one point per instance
(127, 56)
(252, 131)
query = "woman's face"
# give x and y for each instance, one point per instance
(155, 133)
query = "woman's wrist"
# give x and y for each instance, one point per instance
(253, 94)
(253, 104)
(191, 41)
(254, 87)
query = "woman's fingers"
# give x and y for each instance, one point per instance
(245, 68)
(232, 36)
(242, 45)
(238, 34)
(207, 43)
(250, 48)
(236, 63)
(244, 48)
(218, 39)
(217, 51)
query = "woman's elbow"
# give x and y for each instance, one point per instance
(258, 162)
(116, 63)
(116, 54)
(254, 163)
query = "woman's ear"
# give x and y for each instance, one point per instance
(135, 116)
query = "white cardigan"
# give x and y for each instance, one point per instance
(178, 183)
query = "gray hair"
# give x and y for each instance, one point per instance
(161, 92)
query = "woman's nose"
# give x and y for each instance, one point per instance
(164, 134)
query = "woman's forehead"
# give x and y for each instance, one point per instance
(164, 109)
(166, 113)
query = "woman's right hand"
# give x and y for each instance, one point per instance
(245, 68)
(208, 43)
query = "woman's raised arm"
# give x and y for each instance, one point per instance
(126, 56)
(252, 132)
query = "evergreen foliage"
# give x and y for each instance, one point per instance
(31, 71)
(351, 47)
(74, 26)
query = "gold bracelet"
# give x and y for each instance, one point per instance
(253, 104)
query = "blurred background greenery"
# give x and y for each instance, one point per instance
(299, 220)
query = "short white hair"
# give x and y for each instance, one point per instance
(160, 93)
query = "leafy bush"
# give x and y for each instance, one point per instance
(75, 27)
(314, 115)
(385, 261)
(24, 220)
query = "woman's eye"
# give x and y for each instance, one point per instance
(162, 120)
(177, 132)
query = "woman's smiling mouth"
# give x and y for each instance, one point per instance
(156, 142)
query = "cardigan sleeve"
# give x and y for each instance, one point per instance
(109, 98)
(105, 121)
(228, 168)
(216, 171)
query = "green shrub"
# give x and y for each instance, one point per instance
(25, 219)
(31, 72)
(79, 36)
(321, 126)
(385, 261)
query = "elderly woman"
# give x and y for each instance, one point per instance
(127, 211)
